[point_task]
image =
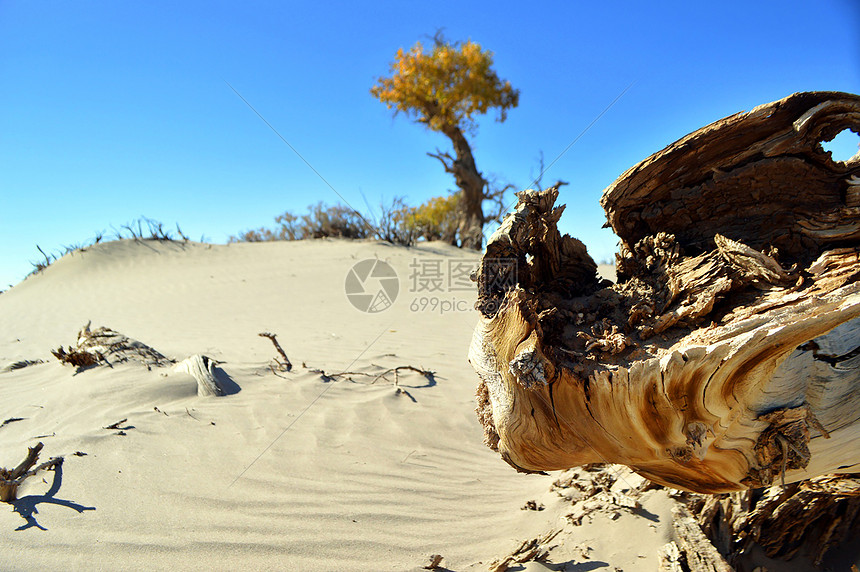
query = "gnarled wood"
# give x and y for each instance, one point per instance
(703, 367)
(748, 164)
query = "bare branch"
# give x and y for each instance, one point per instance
(377, 376)
(10, 480)
(287, 364)
(445, 158)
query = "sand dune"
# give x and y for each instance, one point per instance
(294, 471)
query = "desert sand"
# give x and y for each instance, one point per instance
(294, 471)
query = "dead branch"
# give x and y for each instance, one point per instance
(286, 365)
(534, 549)
(701, 554)
(10, 480)
(116, 425)
(79, 359)
(374, 377)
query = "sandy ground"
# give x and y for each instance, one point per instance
(294, 471)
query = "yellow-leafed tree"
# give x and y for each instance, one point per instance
(444, 88)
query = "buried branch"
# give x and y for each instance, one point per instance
(374, 377)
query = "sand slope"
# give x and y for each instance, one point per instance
(293, 471)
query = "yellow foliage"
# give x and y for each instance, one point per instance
(446, 86)
(436, 219)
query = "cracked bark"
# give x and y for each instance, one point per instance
(726, 355)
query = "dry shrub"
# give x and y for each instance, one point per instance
(398, 223)
(321, 221)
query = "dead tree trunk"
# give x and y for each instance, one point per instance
(727, 356)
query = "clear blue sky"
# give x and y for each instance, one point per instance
(112, 110)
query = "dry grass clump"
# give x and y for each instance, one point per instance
(77, 358)
(140, 229)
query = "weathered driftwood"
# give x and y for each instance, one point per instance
(670, 558)
(11, 479)
(202, 369)
(809, 517)
(699, 553)
(727, 356)
(103, 345)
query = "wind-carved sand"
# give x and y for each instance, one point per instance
(364, 454)
(303, 469)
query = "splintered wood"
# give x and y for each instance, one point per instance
(702, 368)
(810, 517)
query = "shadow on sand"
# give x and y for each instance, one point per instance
(225, 382)
(27, 506)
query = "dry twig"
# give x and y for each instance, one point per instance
(377, 376)
(286, 365)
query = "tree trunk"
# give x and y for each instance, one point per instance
(727, 356)
(471, 183)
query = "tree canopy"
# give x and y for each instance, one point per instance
(446, 86)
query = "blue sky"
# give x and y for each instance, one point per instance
(115, 110)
